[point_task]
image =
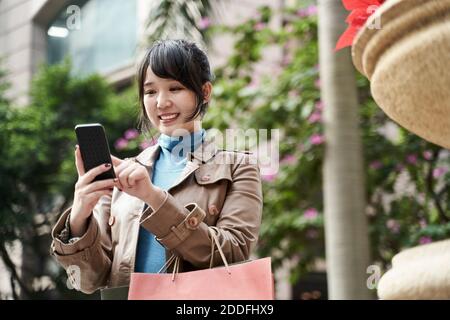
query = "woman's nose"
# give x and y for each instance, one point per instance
(162, 101)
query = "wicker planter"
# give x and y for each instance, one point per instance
(408, 64)
(421, 272)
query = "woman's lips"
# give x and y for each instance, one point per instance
(170, 120)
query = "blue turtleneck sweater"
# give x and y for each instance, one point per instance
(150, 255)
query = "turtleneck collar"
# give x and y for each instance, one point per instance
(182, 143)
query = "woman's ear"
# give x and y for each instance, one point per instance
(207, 91)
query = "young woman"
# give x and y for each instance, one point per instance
(165, 201)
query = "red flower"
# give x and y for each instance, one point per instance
(361, 11)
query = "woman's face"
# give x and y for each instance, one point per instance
(167, 103)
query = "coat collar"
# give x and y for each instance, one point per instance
(201, 155)
(205, 152)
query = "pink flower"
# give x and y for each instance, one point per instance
(269, 177)
(259, 26)
(311, 10)
(311, 213)
(286, 60)
(393, 225)
(423, 223)
(307, 12)
(377, 164)
(148, 143)
(289, 159)
(254, 83)
(289, 28)
(317, 139)
(145, 144)
(411, 159)
(315, 117)
(319, 105)
(317, 83)
(121, 144)
(427, 155)
(301, 12)
(439, 172)
(131, 134)
(204, 23)
(293, 94)
(425, 240)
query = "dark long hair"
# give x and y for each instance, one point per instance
(182, 61)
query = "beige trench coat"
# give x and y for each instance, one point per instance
(217, 188)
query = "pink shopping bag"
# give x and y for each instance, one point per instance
(249, 280)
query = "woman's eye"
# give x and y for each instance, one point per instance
(176, 89)
(150, 92)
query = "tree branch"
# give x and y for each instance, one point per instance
(12, 268)
(429, 183)
(13, 288)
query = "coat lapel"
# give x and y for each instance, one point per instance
(201, 155)
(205, 152)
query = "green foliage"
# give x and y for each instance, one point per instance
(284, 99)
(287, 97)
(168, 16)
(37, 150)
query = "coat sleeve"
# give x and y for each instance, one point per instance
(87, 261)
(182, 230)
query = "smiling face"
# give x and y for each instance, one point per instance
(174, 79)
(168, 104)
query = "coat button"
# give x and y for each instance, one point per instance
(193, 222)
(206, 177)
(213, 210)
(111, 220)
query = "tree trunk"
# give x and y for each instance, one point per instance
(346, 233)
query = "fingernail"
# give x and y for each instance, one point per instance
(115, 180)
(76, 147)
(107, 165)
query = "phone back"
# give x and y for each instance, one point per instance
(94, 148)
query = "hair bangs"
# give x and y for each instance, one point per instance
(168, 61)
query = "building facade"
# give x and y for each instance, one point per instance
(104, 36)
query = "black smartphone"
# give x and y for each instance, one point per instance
(94, 148)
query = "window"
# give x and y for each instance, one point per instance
(106, 39)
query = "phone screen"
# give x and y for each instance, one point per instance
(94, 148)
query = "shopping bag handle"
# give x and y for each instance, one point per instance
(214, 242)
(169, 262)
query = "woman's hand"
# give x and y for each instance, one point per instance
(135, 180)
(87, 193)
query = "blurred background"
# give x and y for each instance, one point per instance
(352, 189)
